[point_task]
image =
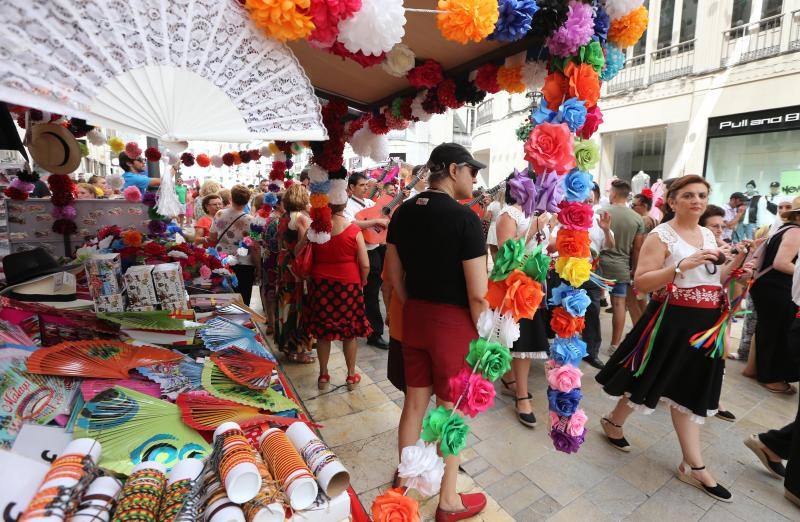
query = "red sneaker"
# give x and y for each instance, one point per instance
(473, 504)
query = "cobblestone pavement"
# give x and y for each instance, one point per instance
(527, 480)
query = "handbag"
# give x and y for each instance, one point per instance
(303, 261)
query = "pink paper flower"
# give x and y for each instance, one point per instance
(550, 148)
(553, 418)
(480, 396)
(458, 383)
(576, 424)
(132, 194)
(594, 117)
(205, 272)
(564, 378)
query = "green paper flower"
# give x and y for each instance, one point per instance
(396, 104)
(593, 55)
(153, 214)
(491, 359)
(510, 256)
(557, 63)
(587, 155)
(454, 436)
(537, 265)
(433, 423)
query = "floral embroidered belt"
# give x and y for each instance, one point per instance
(705, 296)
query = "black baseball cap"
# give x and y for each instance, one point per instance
(447, 153)
(774, 184)
(740, 196)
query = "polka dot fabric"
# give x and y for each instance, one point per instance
(336, 311)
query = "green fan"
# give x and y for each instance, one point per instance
(160, 320)
(223, 387)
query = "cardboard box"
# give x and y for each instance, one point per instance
(139, 284)
(170, 290)
(109, 303)
(104, 274)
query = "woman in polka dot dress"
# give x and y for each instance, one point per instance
(335, 304)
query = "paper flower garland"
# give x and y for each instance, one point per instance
(509, 79)
(399, 61)
(615, 62)
(514, 19)
(281, 19)
(467, 20)
(577, 30)
(375, 28)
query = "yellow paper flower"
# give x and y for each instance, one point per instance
(116, 144)
(626, 31)
(465, 20)
(574, 270)
(510, 79)
(282, 19)
(273, 148)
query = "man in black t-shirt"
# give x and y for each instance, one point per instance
(436, 262)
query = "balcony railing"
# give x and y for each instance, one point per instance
(794, 31)
(631, 77)
(672, 62)
(752, 41)
(462, 139)
(484, 112)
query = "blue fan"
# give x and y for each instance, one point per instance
(175, 377)
(222, 333)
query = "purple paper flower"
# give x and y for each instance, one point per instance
(601, 24)
(549, 192)
(156, 227)
(523, 191)
(576, 31)
(566, 443)
(149, 199)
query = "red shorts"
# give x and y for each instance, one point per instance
(436, 341)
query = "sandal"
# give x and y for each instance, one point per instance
(716, 491)
(787, 389)
(302, 358)
(528, 419)
(776, 469)
(507, 390)
(323, 381)
(352, 381)
(621, 443)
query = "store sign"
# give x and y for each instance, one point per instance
(790, 182)
(786, 118)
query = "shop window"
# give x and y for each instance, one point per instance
(640, 149)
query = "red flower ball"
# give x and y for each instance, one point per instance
(155, 249)
(15, 194)
(364, 60)
(203, 160)
(446, 92)
(255, 155)
(61, 199)
(431, 103)
(244, 155)
(378, 125)
(187, 158)
(152, 154)
(227, 159)
(426, 75)
(486, 78)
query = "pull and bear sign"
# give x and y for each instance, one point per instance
(790, 182)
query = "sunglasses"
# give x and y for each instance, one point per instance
(472, 170)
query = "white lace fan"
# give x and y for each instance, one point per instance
(171, 69)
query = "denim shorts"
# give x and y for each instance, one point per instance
(620, 289)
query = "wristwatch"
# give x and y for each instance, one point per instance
(678, 267)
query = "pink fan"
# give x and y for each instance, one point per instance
(91, 387)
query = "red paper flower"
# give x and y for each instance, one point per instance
(364, 60)
(255, 155)
(203, 160)
(227, 159)
(431, 103)
(594, 117)
(575, 215)
(405, 108)
(549, 148)
(377, 124)
(426, 75)
(486, 78)
(152, 154)
(155, 249)
(446, 93)
(15, 194)
(244, 155)
(187, 158)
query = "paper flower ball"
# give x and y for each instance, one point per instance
(509, 79)
(375, 28)
(364, 60)
(95, 137)
(227, 159)
(203, 160)
(281, 19)
(426, 75)
(533, 74)
(398, 61)
(132, 150)
(116, 144)
(152, 154)
(417, 110)
(619, 8)
(486, 78)
(514, 19)
(187, 158)
(626, 31)
(576, 31)
(615, 62)
(467, 20)
(326, 15)
(265, 151)
(132, 194)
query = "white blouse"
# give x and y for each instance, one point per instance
(523, 225)
(680, 249)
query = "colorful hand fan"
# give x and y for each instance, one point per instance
(133, 427)
(203, 411)
(98, 358)
(12, 336)
(221, 333)
(91, 387)
(243, 367)
(221, 386)
(159, 320)
(175, 377)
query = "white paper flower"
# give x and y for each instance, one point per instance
(399, 61)
(318, 237)
(416, 106)
(264, 151)
(422, 467)
(375, 28)
(115, 181)
(367, 144)
(317, 174)
(241, 251)
(487, 323)
(95, 137)
(533, 75)
(338, 193)
(216, 160)
(509, 330)
(619, 8)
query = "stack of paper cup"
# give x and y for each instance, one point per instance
(243, 481)
(98, 501)
(332, 476)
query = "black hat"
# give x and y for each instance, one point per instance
(739, 196)
(24, 266)
(774, 184)
(446, 153)
(751, 182)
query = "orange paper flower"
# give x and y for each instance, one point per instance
(510, 79)
(282, 19)
(564, 324)
(132, 238)
(584, 83)
(318, 200)
(518, 294)
(465, 20)
(496, 293)
(573, 243)
(393, 506)
(555, 89)
(626, 31)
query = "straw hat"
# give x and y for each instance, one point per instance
(54, 148)
(791, 214)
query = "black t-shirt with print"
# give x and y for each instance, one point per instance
(433, 235)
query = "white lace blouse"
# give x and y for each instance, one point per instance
(679, 249)
(523, 224)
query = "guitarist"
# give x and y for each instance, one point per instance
(358, 187)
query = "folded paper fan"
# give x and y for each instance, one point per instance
(235, 84)
(99, 358)
(133, 427)
(202, 411)
(160, 320)
(221, 333)
(91, 387)
(243, 367)
(175, 377)
(220, 385)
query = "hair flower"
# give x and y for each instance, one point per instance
(523, 191)
(576, 302)
(573, 243)
(564, 404)
(594, 117)
(577, 422)
(575, 270)
(564, 442)
(465, 20)
(578, 185)
(575, 215)
(573, 113)
(549, 192)
(478, 392)
(587, 154)
(518, 294)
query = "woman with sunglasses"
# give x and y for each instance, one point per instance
(656, 362)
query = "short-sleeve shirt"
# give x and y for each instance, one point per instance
(133, 179)
(180, 190)
(353, 207)
(615, 263)
(229, 242)
(433, 235)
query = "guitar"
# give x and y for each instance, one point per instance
(384, 208)
(476, 204)
(387, 174)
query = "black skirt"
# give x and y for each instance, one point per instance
(532, 342)
(676, 373)
(775, 357)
